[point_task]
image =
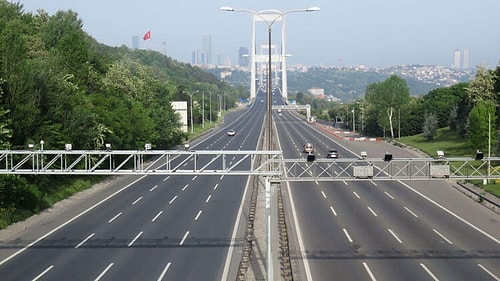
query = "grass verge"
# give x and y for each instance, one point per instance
(453, 145)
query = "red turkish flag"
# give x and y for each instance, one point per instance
(147, 35)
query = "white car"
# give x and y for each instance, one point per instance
(308, 148)
(231, 133)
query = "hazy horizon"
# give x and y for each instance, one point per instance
(372, 33)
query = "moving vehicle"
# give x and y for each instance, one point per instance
(231, 133)
(308, 148)
(332, 153)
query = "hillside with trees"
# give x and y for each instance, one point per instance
(470, 110)
(347, 84)
(59, 85)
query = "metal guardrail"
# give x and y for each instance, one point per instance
(240, 162)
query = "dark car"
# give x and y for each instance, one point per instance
(332, 153)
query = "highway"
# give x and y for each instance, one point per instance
(149, 228)
(390, 230)
(191, 227)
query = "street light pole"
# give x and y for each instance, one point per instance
(191, 101)
(210, 103)
(219, 100)
(353, 121)
(269, 126)
(203, 109)
(269, 21)
(270, 17)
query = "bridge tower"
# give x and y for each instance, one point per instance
(259, 61)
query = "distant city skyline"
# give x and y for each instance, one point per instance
(343, 33)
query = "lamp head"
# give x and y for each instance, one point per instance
(227, 9)
(312, 9)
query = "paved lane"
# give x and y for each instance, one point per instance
(157, 228)
(382, 230)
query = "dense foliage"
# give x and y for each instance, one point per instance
(59, 85)
(470, 109)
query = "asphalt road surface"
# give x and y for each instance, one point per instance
(143, 228)
(191, 227)
(390, 230)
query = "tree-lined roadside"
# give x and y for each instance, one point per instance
(59, 86)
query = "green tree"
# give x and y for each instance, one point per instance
(430, 126)
(386, 99)
(442, 100)
(5, 131)
(481, 124)
(483, 101)
(482, 86)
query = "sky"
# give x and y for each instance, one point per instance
(343, 33)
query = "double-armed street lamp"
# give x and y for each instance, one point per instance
(269, 17)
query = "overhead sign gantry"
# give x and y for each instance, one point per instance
(240, 162)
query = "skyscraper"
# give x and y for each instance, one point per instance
(194, 57)
(457, 57)
(207, 48)
(135, 42)
(243, 56)
(466, 58)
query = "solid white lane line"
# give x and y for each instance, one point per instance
(347, 235)
(372, 277)
(216, 185)
(489, 272)
(153, 188)
(165, 179)
(115, 217)
(429, 272)
(84, 241)
(323, 193)
(390, 196)
(194, 178)
(184, 188)
(137, 200)
(333, 211)
(157, 215)
(443, 237)
(451, 213)
(43, 273)
(184, 238)
(355, 194)
(197, 215)
(395, 235)
(173, 199)
(373, 213)
(70, 220)
(160, 278)
(208, 198)
(412, 213)
(227, 264)
(135, 238)
(104, 272)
